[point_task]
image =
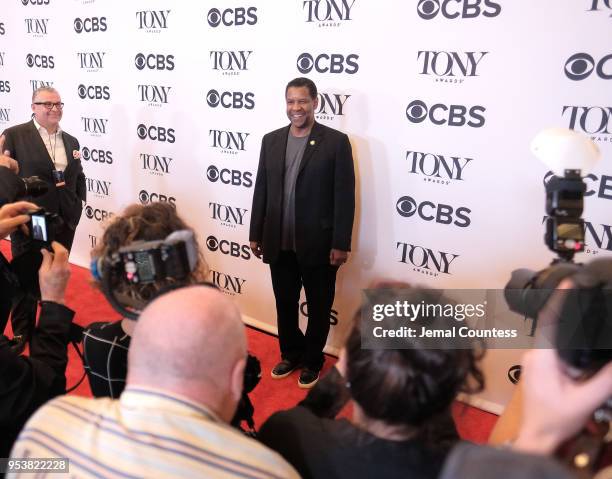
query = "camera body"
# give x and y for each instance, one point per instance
(168, 261)
(42, 227)
(151, 261)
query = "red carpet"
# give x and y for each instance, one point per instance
(269, 396)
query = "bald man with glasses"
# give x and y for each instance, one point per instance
(41, 148)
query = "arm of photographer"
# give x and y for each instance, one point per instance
(28, 382)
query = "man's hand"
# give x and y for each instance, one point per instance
(5, 158)
(555, 407)
(54, 273)
(256, 248)
(338, 257)
(13, 215)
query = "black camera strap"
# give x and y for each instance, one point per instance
(76, 347)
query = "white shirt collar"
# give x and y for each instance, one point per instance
(39, 126)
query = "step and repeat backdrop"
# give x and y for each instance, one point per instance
(440, 99)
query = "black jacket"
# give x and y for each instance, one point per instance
(26, 383)
(28, 149)
(324, 195)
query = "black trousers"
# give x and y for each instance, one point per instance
(319, 283)
(23, 317)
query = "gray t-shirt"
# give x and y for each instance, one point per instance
(293, 158)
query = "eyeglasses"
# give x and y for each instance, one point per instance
(49, 105)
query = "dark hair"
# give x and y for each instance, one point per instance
(408, 387)
(151, 222)
(301, 82)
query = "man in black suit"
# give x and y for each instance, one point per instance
(41, 148)
(301, 222)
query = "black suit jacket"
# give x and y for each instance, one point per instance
(27, 148)
(10, 186)
(324, 195)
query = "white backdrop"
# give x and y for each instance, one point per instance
(440, 99)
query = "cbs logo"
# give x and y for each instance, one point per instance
(40, 61)
(455, 115)
(145, 198)
(229, 177)
(407, 206)
(228, 248)
(94, 92)
(232, 16)
(231, 99)
(97, 156)
(97, 214)
(154, 61)
(451, 9)
(94, 24)
(332, 63)
(156, 133)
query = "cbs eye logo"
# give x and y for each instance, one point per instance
(212, 243)
(143, 196)
(406, 206)
(416, 111)
(428, 9)
(212, 173)
(580, 66)
(213, 98)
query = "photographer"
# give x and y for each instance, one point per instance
(554, 401)
(28, 382)
(401, 424)
(172, 419)
(105, 344)
(555, 407)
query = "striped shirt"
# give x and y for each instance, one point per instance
(146, 433)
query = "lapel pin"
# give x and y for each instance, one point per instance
(312, 142)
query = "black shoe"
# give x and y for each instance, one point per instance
(18, 343)
(284, 369)
(308, 378)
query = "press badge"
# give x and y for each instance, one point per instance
(58, 177)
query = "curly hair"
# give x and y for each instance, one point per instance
(150, 222)
(408, 387)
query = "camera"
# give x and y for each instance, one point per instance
(146, 263)
(583, 330)
(151, 261)
(33, 186)
(42, 227)
(245, 410)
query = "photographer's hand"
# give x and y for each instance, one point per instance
(5, 158)
(54, 273)
(555, 406)
(13, 215)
